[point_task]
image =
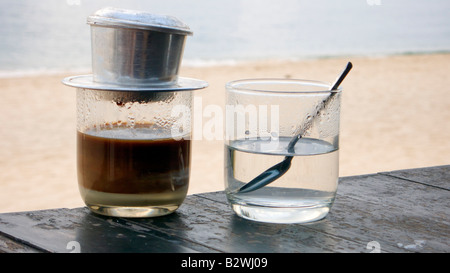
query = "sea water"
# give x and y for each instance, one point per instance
(304, 193)
(52, 36)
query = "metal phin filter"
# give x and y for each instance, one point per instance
(136, 51)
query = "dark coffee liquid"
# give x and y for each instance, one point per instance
(118, 161)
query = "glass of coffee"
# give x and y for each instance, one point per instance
(133, 152)
(134, 115)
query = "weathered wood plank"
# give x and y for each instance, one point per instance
(402, 211)
(8, 245)
(396, 213)
(438, 176)
(64, 230)
(213, 224)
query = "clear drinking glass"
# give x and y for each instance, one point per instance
(133, 151)
(262, 117)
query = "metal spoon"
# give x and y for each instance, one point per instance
(276, 171)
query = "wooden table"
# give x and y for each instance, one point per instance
(399, 211)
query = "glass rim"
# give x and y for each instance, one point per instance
(244, 85)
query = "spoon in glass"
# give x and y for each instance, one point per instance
(276, 171)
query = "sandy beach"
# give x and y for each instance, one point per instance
(395, 115)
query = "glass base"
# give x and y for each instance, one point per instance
(132, 212)
(133, 205)
(281, 215)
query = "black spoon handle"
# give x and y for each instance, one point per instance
(320, 107)
(341, 77)
(309, 122)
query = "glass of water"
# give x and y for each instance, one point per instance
(269, 176)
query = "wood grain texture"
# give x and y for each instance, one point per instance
(400, 211)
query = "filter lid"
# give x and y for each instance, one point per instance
(114, 17)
